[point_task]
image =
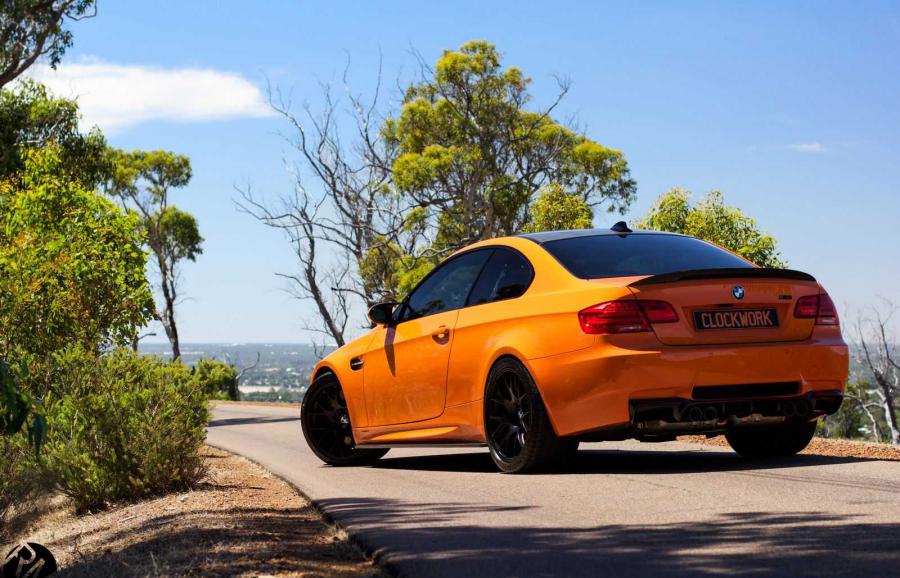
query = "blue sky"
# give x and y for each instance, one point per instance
(793, 111)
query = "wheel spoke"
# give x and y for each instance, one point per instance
(327, 407)
(509, 415)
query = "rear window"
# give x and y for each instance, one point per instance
(629, 255)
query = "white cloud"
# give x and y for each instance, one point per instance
(807, 147)
(115, 96)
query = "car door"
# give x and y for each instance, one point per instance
(492, 315)
(405, 368)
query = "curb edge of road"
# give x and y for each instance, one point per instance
(377, 555)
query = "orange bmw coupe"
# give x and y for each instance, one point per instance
(534, 343)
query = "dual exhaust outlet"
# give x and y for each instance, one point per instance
(709, 413)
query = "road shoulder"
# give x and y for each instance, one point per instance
(240, 521)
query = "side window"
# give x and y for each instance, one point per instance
(446, 288)
(506, 275)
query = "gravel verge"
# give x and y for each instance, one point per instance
(240, 521)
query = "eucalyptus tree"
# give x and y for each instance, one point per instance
(463, 159)
(30, 29)
(712, 220)
(143, 181)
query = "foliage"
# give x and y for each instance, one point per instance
(30, 29)
(852, 420)
(712, 220)
(142, 180)
(125, 426)
(18, 479)
(14, 404)
(218, 379)
(473, 157)
(31, 118)
(71, 264)
(556, 210)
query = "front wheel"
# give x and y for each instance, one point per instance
(518, 430)
(781, 441)
(326, 425)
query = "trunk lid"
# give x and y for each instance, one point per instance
(729, 306)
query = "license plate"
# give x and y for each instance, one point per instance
(736, 319)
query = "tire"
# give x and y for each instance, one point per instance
(326, 425)
(782, 441)
(517, 429)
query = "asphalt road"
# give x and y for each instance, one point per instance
(624, 509)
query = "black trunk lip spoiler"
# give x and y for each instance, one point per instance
(742, 272)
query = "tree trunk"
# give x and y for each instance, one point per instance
(890, 415)
(168, 315)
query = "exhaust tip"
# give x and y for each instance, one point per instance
(710, 413)
(790, 409)
(695, 413)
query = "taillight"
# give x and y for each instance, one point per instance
(658, 311)
(613, 317)
(625, 316)
(827, 314)
(820, 307)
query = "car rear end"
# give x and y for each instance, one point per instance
(698, 341)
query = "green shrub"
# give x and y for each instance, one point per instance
(218, 379)
(124, 426)
(18, 479)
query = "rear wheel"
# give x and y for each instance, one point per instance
(326, 425)
(518, 431)
(781, 441)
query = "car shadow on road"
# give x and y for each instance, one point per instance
(433, 540)
(599, 461)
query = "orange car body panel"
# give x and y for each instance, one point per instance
(417, 385)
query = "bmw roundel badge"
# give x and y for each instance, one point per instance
(738, 292)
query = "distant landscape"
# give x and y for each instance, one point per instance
(282, 373)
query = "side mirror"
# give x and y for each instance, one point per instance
(382, 313)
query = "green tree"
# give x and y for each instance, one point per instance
(30, 29)
(71, 265)
(462, 160)
(472, 153)
(555, 210)
(712, 220)
(142, 180)
(31, 118)
(219, 380)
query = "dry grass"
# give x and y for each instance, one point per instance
(824, 447)
(241, 521)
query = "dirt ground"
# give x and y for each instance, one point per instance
(241, 521)
(824, 447)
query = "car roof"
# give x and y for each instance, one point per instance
(546, 236)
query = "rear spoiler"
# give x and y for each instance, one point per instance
(743, 272)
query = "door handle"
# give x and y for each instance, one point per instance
(441, 332)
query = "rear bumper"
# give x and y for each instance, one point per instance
(652, 418)
(596, 388)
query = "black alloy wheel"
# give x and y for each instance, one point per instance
(510, 415)
(326, 425)
(518, 431)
